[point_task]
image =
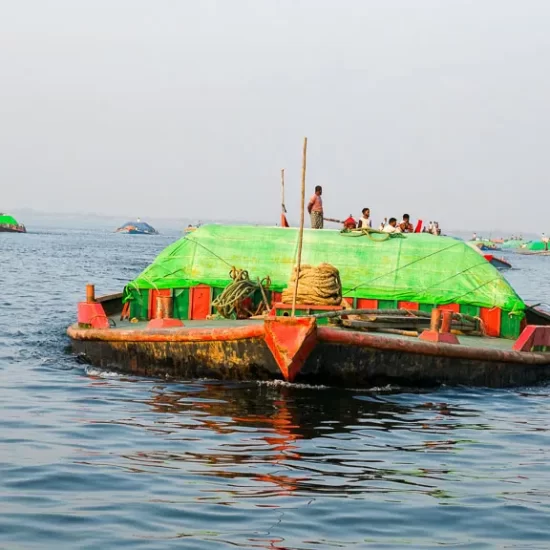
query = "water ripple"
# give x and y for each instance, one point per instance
(92, 458)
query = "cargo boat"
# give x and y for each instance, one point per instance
(137, 228)
(8, 224)
(164, 323)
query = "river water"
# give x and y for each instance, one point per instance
(91, 459)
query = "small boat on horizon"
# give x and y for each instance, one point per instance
(535, 248)
(137, 228)
(8, 224)
(191, 228)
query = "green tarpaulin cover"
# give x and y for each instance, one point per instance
(417, 267)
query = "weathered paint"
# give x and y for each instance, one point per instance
(360, 339)
(153, 295)
(242, 359)
(164, 323)
(342, 358)
(92, 314)
(532, 338)
(290, 340)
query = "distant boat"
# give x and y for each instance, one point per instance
(499, 263)
(137, 228)
(8, 224)
(190, 228)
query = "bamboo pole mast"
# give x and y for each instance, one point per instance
(301, 233)
(283, 208)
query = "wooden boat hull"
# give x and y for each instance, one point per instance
(499, 263)
(12, 229)
(340, 358)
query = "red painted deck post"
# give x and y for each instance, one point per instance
(437, 335)
(435, 319)
(90, 294)
(446, 322)
(163, 309)
(91, 313)
(163, 314)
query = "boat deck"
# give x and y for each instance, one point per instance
(467, 341)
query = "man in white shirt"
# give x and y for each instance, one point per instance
(545, 241)
(391, 227)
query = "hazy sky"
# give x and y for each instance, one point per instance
(190, 108)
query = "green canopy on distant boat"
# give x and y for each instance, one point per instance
(537, 245)
(513, 244)
(6, 219)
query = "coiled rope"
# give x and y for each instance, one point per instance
(360, 232)
(317, 285)
(229, 303)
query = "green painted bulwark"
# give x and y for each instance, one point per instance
(387, 304)
(181, 304)
(469, 310)
(510, 326)
(139, 304)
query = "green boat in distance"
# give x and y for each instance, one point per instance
(514, 244)
(8, 224)
(538, 248)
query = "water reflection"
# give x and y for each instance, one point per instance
(263, 440)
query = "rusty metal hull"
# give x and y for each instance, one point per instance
(340, 358)
(12, 229)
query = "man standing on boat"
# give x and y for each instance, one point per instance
(315, 208)
(365, 221)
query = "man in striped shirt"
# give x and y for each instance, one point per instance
(315, 208)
